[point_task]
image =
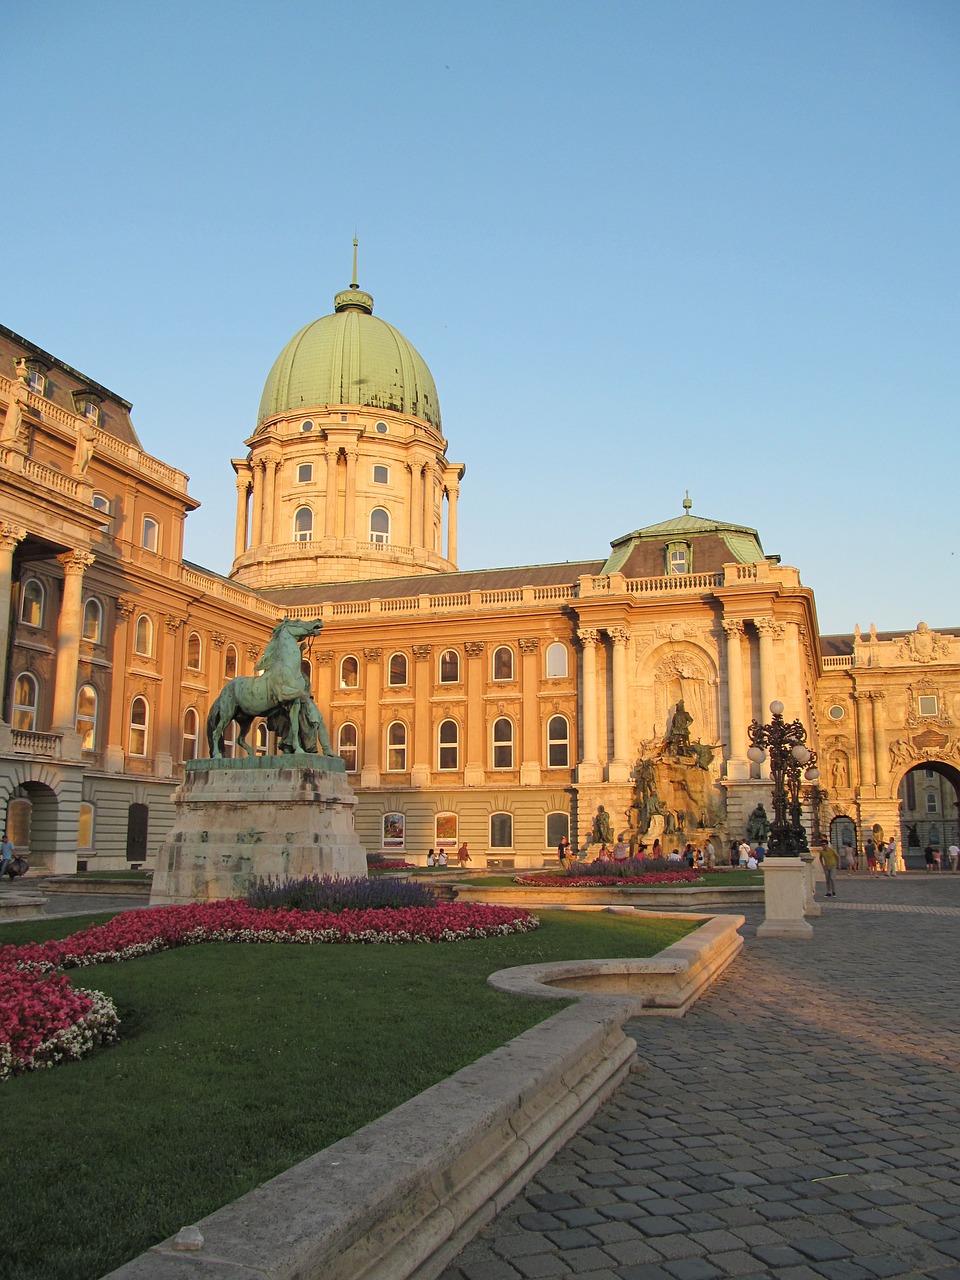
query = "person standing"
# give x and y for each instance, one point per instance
(891, 856)
(463, 857)
(828, 860)
(7, 851)
(562, 848)
(953, 853)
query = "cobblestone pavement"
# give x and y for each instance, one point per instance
(800, 1122)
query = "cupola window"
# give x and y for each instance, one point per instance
(303, 525)
(379, 526)
(305, 473)
(678, 557)
(381, 475)
(306, 426)
(381, 428)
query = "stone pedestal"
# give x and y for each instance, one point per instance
(811, 867)
(240, 820)
(784, 899)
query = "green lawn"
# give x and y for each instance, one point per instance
(239, 1060)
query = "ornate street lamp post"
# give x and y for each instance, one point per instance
(791, 761)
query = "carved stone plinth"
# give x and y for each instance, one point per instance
(784, 899)
(240, 820)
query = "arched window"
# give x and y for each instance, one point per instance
(31, 603)
(558, 743)
(397, 674)
(306, 670)
(93, 620)
(86, 723)
(303, 525)
(556, 661)
(503, 743)
(26, 702)
(558, 826)
(143, 636)
(194, 654)
(503, 663)
(139, 724)
(260, 737)
(191, 735)
(85, 825)
(230, 740)
(379, 526)
(349, 673)
(501, 831)
(396, 747)
(150, 539)
(449, 667)
(100, 502)
(448, 741)
(230, 665)
(347, 746)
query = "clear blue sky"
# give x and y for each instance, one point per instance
(644, 247)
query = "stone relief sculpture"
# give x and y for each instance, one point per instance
(281, 695)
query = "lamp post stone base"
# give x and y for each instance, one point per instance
(784, 899)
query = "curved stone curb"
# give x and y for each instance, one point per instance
(399, 1198)
(696, 898)
(667, 984)
(18, 904)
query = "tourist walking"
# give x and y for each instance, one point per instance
(828, 860)
(953, 854)
(7, 851)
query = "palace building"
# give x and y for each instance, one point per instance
(499, 707)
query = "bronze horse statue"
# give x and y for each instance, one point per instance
(280, 694)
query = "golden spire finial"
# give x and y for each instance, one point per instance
(353, 281)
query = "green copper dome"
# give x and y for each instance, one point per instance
(351, 357)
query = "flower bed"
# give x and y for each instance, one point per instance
(567, 881)
(43, 1020)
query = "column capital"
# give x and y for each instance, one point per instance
(733, 626)
(173, 623)
(11, 534)
(529, 644)
(219, 639)
(422, 651)
(472, 648)
(76, 561)
(253, 652)
(876, 695)
(619, 635)
(588, 636)
(125, 607)
(324, 659)
(769, 626)
(373, 654)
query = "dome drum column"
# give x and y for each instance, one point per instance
(330, 499)
(350, 503)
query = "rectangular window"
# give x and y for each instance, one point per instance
(381, 475)
(305, 473)
(501, 831)
(928, 704)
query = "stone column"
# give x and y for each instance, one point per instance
(795, 702)
(350, 501)
(529, 712)
(429, 488)
(10, 535)
(474, 769)
(880, 755)
(589, 767)
(767, 629)
(416, 508)
(330, 497)
(737, 764)
(243, 499)
(270, 466)
(64, 720)
(422, 740)
(865, 738)
(165, 727)
(370, 771)
(115, 749)
(618, 770)
(453, 494)
(256, 522)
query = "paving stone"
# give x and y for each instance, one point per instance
(571, 1238)
(587, 1259)
(820, 1249)
(693, 1269)
(645, 1271)
(538, 1265)
(776, 1255)
(547, 1201)
(631, 1252)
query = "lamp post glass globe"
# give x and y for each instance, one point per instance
(776, 708)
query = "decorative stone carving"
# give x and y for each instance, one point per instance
(588, 636)
(125, 607)
(219, 639)
(923, 645)
(172, 623)
(733, 626)
(422, 651)
(11, 534)
(373, 654)
(76, 561)
(324, 659)
(472, 648)
(529, 644)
